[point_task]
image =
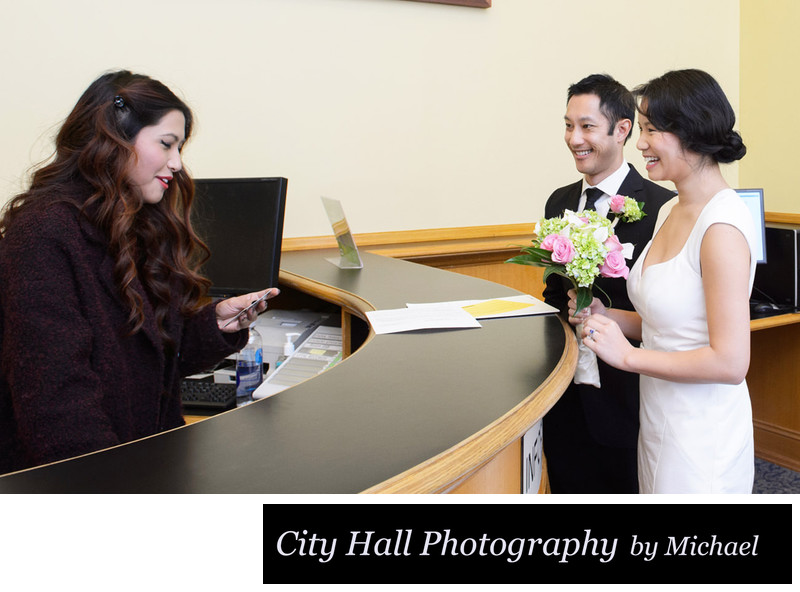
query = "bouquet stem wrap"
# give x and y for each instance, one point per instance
(586, 372)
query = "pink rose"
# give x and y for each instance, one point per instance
(617, 204)
(561, 247)
(612, 243)
(547, 243)
(614, 266)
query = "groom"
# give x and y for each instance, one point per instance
(590, 434)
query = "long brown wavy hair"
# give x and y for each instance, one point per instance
(94, 150)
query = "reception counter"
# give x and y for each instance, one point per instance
(418, 412)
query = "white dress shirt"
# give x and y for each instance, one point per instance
(609, 186)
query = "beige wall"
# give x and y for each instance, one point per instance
(770, 84)
(414, 115)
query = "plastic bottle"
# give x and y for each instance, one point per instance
(288, 348)
(249, 365)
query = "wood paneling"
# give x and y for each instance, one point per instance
(429, 241)
(782, 218)
(502, 474)
(524, 278)
(774, 383)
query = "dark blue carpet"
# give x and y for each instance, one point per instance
(771, 478)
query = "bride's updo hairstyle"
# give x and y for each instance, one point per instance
(691, 105)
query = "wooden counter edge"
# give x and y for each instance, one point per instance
(774, 321)
(444, 470)
(470, 235)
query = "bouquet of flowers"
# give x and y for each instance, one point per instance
(580, 247)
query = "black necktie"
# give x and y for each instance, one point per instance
(592, 195)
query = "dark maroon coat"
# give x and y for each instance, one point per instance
(71, 380)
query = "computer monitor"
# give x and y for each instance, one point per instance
(241, 222)
(754, 200)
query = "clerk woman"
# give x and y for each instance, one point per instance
(102, 309)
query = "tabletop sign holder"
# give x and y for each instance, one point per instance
(348, 251)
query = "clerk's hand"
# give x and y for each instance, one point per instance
(227, 310)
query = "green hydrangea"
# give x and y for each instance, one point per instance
(632, 210)
(589, 251)
(548, 226)
(589, 256)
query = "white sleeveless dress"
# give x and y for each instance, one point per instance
(693, 438)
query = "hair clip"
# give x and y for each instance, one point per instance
(119, 102)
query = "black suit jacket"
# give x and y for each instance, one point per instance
(612, 411)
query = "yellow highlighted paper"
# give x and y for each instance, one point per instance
(489, 308)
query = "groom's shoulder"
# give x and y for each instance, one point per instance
(566, 191)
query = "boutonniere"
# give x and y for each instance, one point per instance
(626, 209)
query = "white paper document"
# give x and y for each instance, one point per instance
(455, 314)
(412, 319)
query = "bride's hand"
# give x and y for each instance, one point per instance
(596, 307)
(604, 337)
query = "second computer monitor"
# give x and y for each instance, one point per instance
(754, 200)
